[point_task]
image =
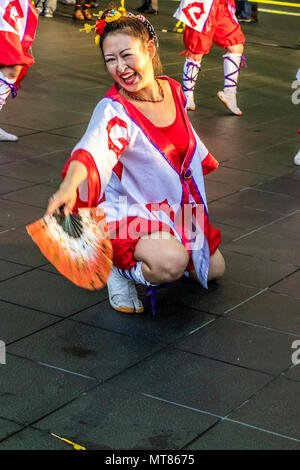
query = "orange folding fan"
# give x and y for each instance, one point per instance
(77, 245)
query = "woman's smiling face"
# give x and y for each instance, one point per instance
(128, 61)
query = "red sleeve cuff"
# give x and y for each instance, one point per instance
(94, 183)
(209, 164)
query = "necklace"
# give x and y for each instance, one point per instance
(137, 98)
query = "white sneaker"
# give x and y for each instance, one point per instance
(297, 159)
(6, 137)
(122, 294)
(39, 10)
(48, 13)
(68, 2)
(229, 100)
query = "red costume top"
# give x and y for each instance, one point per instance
(18, 22)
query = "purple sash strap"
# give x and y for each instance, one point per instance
(13, 89)
(152, 292)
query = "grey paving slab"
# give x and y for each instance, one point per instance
(8, 269)
(122, 420)
(43, 121)
(8, 184)
(38, 170)
(17, 246)
(220, 297)
(235, 436)
(282, 185)
(84, 349)
(32, 439)
(256, 155)
(37, 196)
(191, 380)
(272, 310)
(293, 372)
(231, 147)
(289, 286)
(33, 145)
(55, 387)
(7, 428)
(245, 217)
(229, 232)
(287, 227)
(275, 408)
(281, 204)
(249, 346)
(14, 214)
(71, 131)
(268, 246)
(247, 269)
(267, 164)
(236, 177)
(18, 322)
(217, 190)
(170, 323)
(48, 293)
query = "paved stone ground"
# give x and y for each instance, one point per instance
(213, 370)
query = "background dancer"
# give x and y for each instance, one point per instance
(208, 22)
(81, 11)
(18, 22)
(140, 148)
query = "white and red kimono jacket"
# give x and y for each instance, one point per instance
(18, 22)
(201, 15)
(131, 173)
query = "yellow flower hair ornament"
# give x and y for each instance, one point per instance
(110, 16)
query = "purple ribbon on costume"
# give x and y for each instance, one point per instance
(13, 89)
(243, 63)
(192, 79)
(152, 292)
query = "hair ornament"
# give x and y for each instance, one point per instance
(112, 15)
(100, 25)
(109, 17)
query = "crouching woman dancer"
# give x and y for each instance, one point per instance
(141, 160)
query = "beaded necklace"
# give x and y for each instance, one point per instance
(137, 98)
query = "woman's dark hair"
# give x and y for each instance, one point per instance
(135, 27)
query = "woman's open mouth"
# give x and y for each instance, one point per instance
(129, 78)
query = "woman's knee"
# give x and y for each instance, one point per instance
(236, 49)
(217, 266)
(172, 265)
(11, 71)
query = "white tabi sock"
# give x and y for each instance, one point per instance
(6, 85)
(6, 137)
(232, 64)
(191, 70)
(5, 90)
(135, 274)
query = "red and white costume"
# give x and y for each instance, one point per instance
(135, 175)
(208, 21)
(18, 22)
